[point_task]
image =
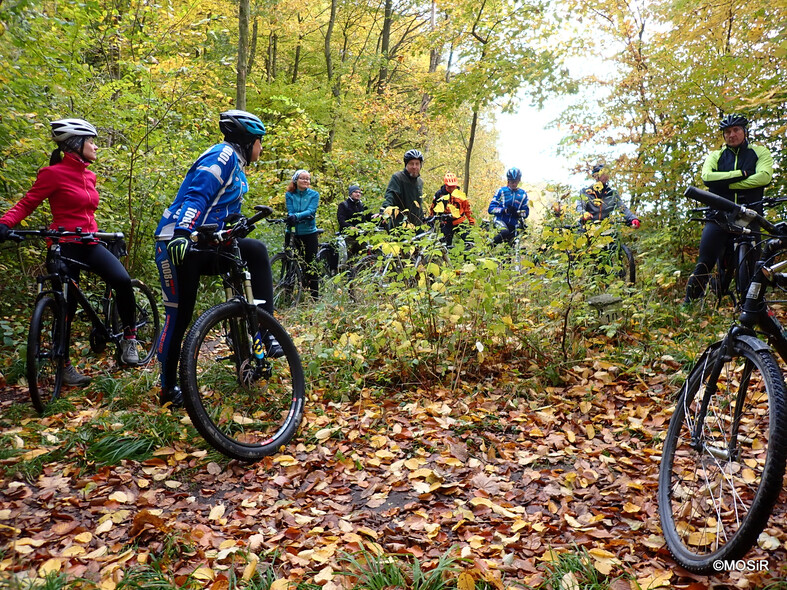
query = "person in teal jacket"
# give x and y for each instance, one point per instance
(302, 202)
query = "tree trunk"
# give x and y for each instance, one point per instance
(333, 80)
(243, 50)
(469, 152)
(385, 46)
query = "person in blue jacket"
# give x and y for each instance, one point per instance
(507, 205)
(302, 202)
(211, 193)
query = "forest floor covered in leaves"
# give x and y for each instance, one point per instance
(503, 479)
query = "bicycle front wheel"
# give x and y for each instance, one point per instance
(148, 321)
(45, 350)
(721, 468)
(245, 407)
(287, 281)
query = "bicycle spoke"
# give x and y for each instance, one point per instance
(245, 406)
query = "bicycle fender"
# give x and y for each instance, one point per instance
(753, 342)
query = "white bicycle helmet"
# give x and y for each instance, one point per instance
(64, 129)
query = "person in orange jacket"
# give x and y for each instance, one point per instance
(450, 199)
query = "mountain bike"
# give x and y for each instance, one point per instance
(725, 450)
(617, 255)
(244, 403)
(735, 264)
(406, 262)
(286, 270)
(47, 344)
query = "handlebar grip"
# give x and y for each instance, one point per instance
(714, 201)
(108, 236)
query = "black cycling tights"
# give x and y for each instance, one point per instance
(713, 243)
(97, 259)
(307, 246)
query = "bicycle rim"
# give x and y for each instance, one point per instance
(715, 496)
(244, 407)
(45, 361)
(148, 320)
(287, 281)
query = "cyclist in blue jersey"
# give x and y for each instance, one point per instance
(211, 193)
(508, 205)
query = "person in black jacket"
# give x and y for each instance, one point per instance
(739, 171)
(349, 213)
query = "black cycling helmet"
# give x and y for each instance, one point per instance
(240, 126)
(599, 168)
(413, 155)
(732, 120)
(514, 174)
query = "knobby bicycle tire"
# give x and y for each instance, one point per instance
(372, 276)
(629, 264)
(243, 408)
(715, 496)
(45, 350)
(287, 281)
(148, 320)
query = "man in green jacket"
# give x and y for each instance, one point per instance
(739, 171)
(402, 201)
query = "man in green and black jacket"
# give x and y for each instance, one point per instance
(739, 171)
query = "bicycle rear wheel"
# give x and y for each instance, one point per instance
(243, 406)
(716, 491)
(287, 281)
(45, 350)
(629, 267)
(148, 320)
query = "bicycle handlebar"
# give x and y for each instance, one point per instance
(741, 213)
(240, 229)
(55, 235)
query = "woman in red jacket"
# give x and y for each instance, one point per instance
(71, 190)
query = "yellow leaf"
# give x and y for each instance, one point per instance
(466, 581)
(285, 460)
(85, 537)
(494, 507)
(655, 580)
(630, 508)
(601, 553)
(569, 582)
(324, 434)
(50, 566)
(119, 497)
(280, 584)
(251, 567)
(590, 432)
(73, 551)
(414, 463)
(104, 526)
(203, 572)
(217, 512)
(30, 455)
(325, 575)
